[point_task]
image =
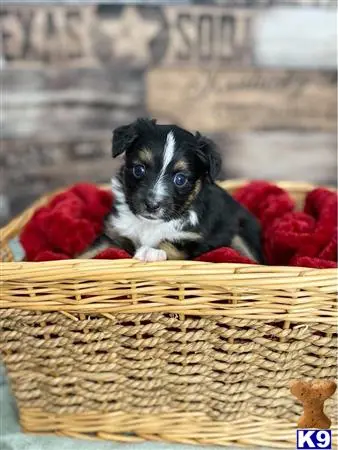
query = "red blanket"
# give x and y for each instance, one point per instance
(72, 221)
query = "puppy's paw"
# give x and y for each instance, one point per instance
(150, 254)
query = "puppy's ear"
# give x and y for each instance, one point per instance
(124, 136)
(209, 156)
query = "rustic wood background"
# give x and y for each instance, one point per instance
(258, 76)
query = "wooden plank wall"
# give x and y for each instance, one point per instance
(258, 76)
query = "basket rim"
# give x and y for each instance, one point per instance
(76, 268)
(294, 295)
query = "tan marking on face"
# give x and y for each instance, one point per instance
(172, 252)
(181, 165)
(145, 156)
(193, 193)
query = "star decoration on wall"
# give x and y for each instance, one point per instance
(131, 35)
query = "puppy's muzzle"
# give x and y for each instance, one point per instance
(152, 205)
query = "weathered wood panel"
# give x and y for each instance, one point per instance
(85, 36)
(226, 100)
(281, 155)
(70, 103)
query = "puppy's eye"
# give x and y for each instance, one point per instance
(180, 179)
(139, 171)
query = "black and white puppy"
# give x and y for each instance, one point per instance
(167, 205)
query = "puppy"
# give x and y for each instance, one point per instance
(167, 205)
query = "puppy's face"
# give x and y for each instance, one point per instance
(165, 168)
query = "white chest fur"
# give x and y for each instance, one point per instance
(143, 232)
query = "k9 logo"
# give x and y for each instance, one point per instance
(314, 439)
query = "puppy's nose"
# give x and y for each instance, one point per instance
(152, 205)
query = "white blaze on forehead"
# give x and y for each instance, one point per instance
(168, 154)
(169, 150)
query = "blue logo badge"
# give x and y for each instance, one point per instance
(314, 439)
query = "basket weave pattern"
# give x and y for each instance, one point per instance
(181, 351)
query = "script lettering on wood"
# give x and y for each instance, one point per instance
(201, 35)
(46, 34)
(243, 100)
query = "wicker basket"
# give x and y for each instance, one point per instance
(186, 352)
